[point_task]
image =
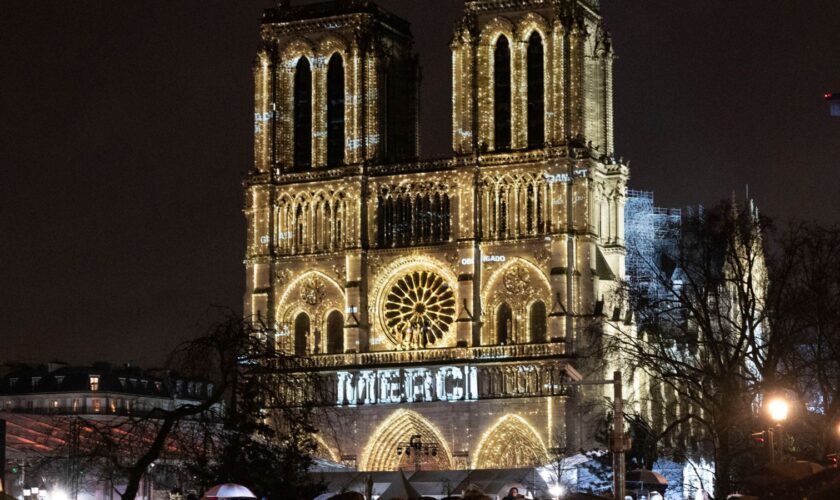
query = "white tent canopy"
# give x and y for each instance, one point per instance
(229, 490)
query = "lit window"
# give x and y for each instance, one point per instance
(94, 382)
(55, 403)
(97, 405)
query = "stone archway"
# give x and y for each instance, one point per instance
(510, 443)
(416, 301)
(381, 451)
(518, 283)
(324, 451)
(312, 293)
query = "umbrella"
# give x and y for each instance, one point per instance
(583, 496)
(229, 490)
(646, 477)
(643, 480)
(794, 470)
(349, 495)
(783, 473)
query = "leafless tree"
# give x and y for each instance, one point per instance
(701, 331)
(807, 309)
(243, 373)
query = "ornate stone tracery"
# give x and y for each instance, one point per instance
(313, 291)
(406, 283)
(419, 309)
(511, 443)
(373, 263)
(517, 285)
(380, 453)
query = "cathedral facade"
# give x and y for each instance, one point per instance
(443, 302)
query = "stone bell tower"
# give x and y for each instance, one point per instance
(336, 90)
(444, 298)
(528, 73)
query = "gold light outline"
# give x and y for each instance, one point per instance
(384, 440)
(518, 421)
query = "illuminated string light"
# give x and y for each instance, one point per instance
(380, 452)
(511, 442)
(307, 224)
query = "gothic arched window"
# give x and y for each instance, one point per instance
(437, 222)
(502, 223)
(536, 92)
(301, 333)
(501, 94)
(335, 111)
(536, 318)
(447, 219)
(335, 333)
(504, 324)
(300, 224)
(529, 209)
(303, 114)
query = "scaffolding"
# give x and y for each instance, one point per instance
(651, 233)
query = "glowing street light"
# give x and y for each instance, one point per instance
(556, 490)
(58, 494)
(778, 409)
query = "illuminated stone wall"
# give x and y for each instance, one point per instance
(493, 257)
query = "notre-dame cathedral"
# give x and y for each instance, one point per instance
(443, 299)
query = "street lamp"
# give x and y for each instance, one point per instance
(778, 409)
(556, 490)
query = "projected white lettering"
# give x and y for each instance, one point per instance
(484, 258)
(564, 178)
(445, 383)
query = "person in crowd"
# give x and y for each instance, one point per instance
(513, 494)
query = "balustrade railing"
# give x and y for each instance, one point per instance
(483, 353)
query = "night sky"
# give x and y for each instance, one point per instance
(127, 128)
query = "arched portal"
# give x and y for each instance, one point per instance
(323, 450)
(501, 94)
(301, 333)
(511, 443)
(380, 454)
(335, 333)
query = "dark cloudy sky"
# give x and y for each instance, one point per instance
(126, 127)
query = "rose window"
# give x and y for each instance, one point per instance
(418, 309)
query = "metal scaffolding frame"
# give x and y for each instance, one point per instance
(650, 231)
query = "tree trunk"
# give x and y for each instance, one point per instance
(138, 470)
(723, 465)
